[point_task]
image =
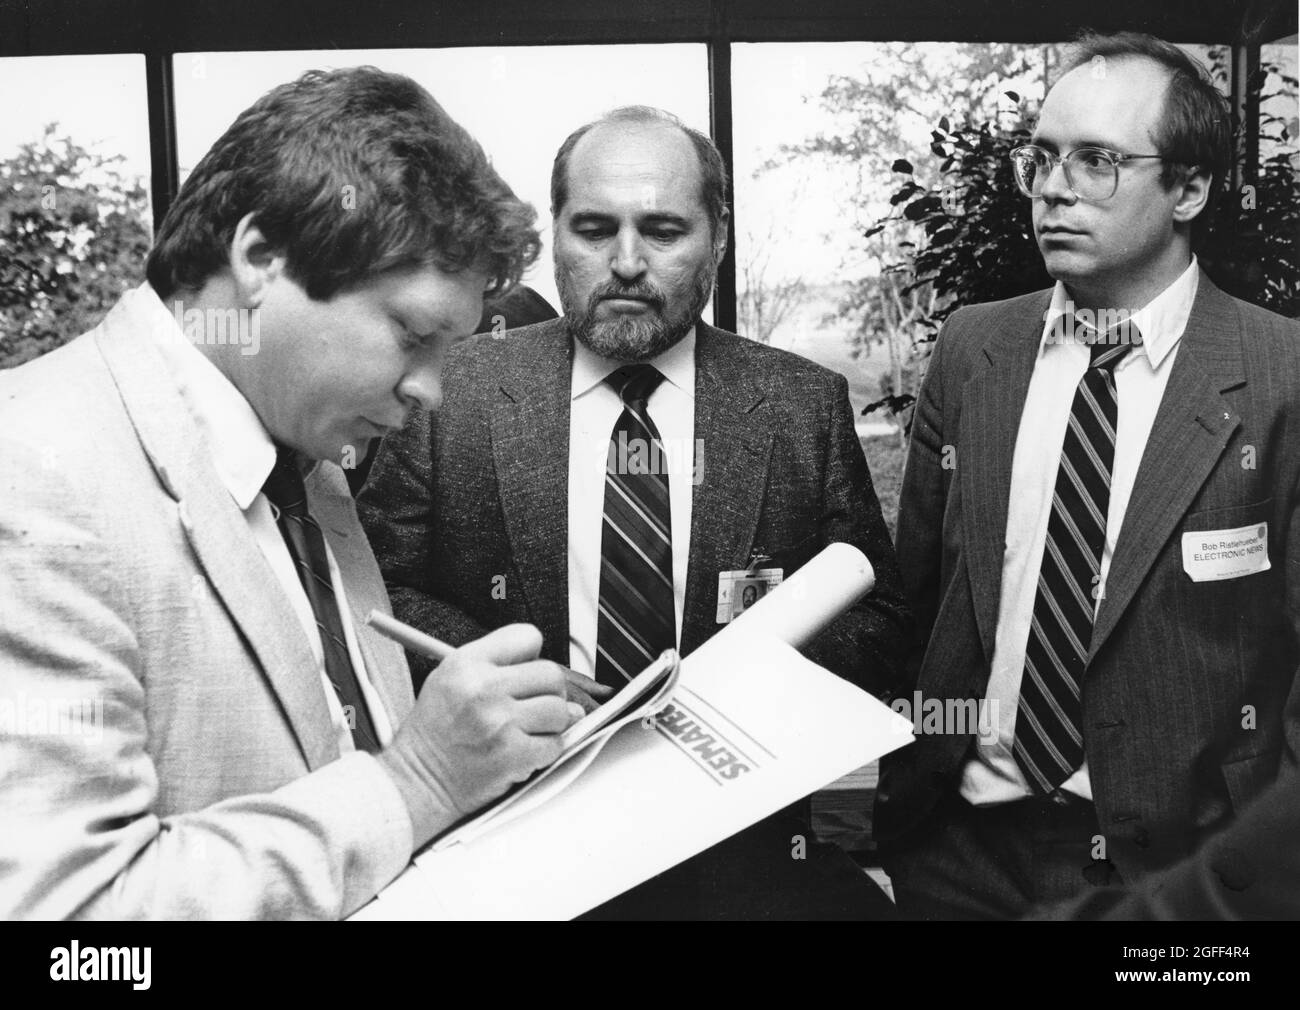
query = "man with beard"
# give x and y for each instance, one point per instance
(596, 475)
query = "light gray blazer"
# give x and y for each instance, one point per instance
(195, 772)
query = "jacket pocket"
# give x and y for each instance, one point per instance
(1247, 777)
(1228, 517)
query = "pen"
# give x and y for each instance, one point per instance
(407, 637)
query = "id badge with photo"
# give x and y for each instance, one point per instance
(740, 590)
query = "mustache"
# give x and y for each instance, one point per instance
(643, 291)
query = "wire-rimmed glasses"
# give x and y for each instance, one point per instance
(1092, 173)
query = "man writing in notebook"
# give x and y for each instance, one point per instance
(606, 475)
(183, 574)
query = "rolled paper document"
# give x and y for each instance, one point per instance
(802, 605)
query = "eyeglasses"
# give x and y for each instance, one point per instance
(1092, 173)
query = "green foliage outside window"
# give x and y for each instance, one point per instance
(969, 236)
(73, 238)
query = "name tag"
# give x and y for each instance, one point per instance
(1214, 555)
(740, 590)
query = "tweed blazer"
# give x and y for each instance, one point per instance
(474, 498)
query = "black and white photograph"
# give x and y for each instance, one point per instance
(403, 406)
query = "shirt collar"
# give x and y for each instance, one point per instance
(677, 364)
(1161, 321)
(242, 451)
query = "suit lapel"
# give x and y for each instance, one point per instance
(1191, 428)
(217, 530)
(726, 505)
(992, 404)
(530, 450)
(386, 666)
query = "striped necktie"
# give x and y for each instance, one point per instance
(635, 620)
(1049, 723)
(302, 535)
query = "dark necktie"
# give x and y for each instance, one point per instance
(1049, 723)
(302, 535)
(635, 621)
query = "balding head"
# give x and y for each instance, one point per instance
(712, 171)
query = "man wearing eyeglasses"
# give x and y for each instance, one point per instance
(1099, 523)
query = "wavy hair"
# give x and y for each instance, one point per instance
(349, 173)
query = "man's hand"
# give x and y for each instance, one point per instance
(586, 692)
(487, 717)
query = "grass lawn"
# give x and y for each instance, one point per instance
(841, 813)
(885, 457)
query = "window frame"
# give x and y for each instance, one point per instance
(160, 29)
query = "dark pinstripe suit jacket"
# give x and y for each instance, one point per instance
(1250, 870)
(479, 491)
(1191, 699)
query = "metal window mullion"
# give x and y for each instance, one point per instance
(165, 172)
(720, 123)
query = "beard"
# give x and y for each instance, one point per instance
(639, 337)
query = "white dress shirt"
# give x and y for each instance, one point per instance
(243, 455)
(992, 775)
(594, 409)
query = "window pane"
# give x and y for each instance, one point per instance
(1280, 97)
(817, 128)
(74, 195)
(519, 102)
